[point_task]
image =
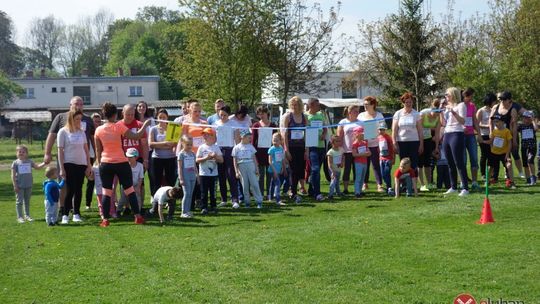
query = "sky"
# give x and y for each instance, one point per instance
(70, 11)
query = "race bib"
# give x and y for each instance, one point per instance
(160, 137)
(383, 145)
(189, 162)
(134, 130)
(83, 126)
(25, 168)
(279, 157)
(527, 134)
(362, 149)
(408, 120)
(468, 122)
(76, 138)
(198, 141)
(244, 154)
(498, 142)
(316, 124)
(297, 134)
(336, 159)
(427, 133)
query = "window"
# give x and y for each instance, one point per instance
(28, 93)
(62, 90)
(323, 83)
(54, 90)
(135, 91)
(348, 89)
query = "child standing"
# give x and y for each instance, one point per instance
(21, 177)
(500, 141)
(335, 160)
(405, 178)
(276, 167)
(137, 174)
(246, 167)
(528, 145)
(51, 189)
(166, 195)
(443, 171)
(187, 174)
(208, 156)
(387, 157)
(360, 152)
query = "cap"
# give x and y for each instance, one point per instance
(382, 125)
(358, 129)
(528, 114)
(132, 152)
(496, 117)
(209, 131)
(245, 132)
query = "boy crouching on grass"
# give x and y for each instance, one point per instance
(405, 178)
(166, 195)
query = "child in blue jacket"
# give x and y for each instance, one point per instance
(51, 188)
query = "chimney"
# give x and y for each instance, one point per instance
(84, 72)
(29, 74)
(43, 73)
(133, 71)
(120, 72)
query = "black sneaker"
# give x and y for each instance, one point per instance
(50, 224)
(169, 218)
(126, 212)
(345, 192)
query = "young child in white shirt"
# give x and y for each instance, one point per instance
(208, 156)
(247, 169)
(335, 163)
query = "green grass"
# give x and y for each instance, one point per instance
(376, 250)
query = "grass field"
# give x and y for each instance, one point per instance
(374, 250)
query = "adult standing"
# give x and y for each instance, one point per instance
(96, 119)
(262, 153)
(226, 170)
(453, 119)
(482, 115)
(345, 132)
(316, 154)
(74, 161)
(295, 143)
(163, 160)
(371, 113)
(510, 112)
(141, 144)
(142, 114)
(76, 103)
(472, 131)
(407, 131)
(218, 104)
(112, 161)
(431, 129)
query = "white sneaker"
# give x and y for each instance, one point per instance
(463, 192)
(269, 198)
(521, 175)
(20, 220)
(280, 203)
(222, 204)
(87, 208)
(236, 205)
(65, 220)
(77, 218)
(451, 191)
(28, 219)
(186, 215)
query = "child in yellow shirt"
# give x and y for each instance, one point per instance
(501, 141)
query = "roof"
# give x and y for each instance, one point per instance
(91, 79)
(36, 116)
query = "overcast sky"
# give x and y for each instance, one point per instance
(70, 11)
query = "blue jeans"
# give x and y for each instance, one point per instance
(386, 172)
(334, 184)
(406, 183)
(453, 145)
(275, 187)
(316, 158)
(472, 148)
(360, 171)
(188, 188)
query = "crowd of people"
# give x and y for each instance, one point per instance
(227, 150)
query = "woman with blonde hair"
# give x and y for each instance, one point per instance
(345, 132)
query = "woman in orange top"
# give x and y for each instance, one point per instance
(195, 132)
(112, 161)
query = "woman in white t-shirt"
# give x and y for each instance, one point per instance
(74, 161)
(370, 104)
(453, 120)
(345, 132)
(228, 136)
(407, 131)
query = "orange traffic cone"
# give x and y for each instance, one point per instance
(487, 216)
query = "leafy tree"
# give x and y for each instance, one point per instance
(10, 60)
(154, 14)
(46, 36)
(8, 90)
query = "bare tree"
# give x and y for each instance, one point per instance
(46, 36)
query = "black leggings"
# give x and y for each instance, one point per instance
(298, 166)
(161, 166)
(107, 172)
(349, 164)
(89, 188)
(74, 182)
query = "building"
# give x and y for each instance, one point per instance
(43, 93)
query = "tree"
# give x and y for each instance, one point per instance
(8, 90)
(401, 50)
(46, 36)
(297, 42)
(10, 61)
(154, 14)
